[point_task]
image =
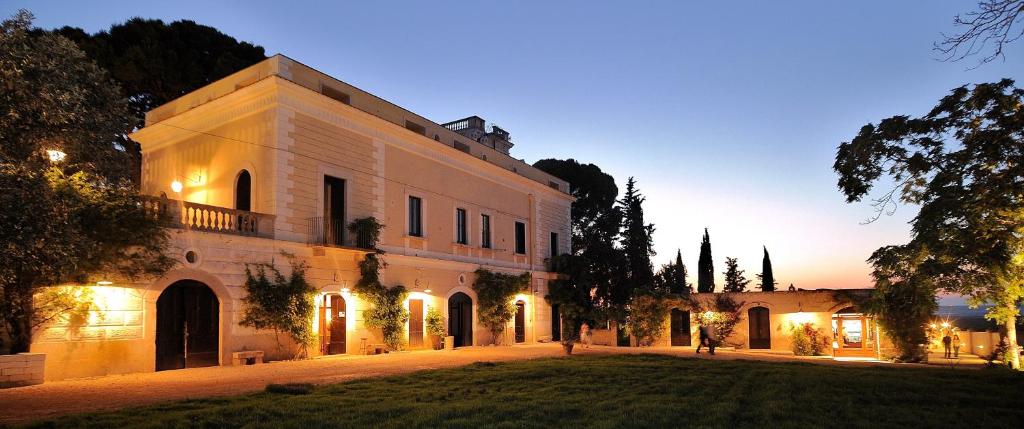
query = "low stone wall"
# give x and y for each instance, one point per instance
(22, 369)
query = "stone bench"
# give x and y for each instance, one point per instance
(251, 357)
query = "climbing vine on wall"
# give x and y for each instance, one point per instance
(283, 304)
(385, 311)
(494, 293)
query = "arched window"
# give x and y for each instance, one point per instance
(243, 191)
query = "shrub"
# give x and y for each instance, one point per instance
(435, 325)
(646, 318)
(807, 340)
(281, 304)
(495, 292)
(723, 312)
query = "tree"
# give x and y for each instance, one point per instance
(571, 292)
(734, 279)
(596, 222)
(281, 304)
(77, 217)
(903, 299)
(672, 277)
(990, 29)
(705, 267)
(595, 193)
(636, 242)
(767, 277)
(155, 62)
(963, 165)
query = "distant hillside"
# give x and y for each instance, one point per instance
(968, 318)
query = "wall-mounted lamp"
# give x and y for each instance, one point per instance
(104, 283)
(176, 186)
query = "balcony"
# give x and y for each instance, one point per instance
(202, 217)
(333, 233)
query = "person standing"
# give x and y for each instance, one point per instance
(947, 343)
(956, 344)
(702, 331)
(585, 336)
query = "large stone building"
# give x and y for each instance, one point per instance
(279, 158)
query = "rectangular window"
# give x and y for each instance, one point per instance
(554, 244)
(415, 217)
(461, 146)
(461, 236)
(485, 231)
(520, 238)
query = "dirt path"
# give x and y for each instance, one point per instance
(24, 404)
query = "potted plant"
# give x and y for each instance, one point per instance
(435, 327)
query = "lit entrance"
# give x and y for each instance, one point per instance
(187, 327)
(853, 333)
(333, 322)
(415, 323)
(680, 327)
(520, 322)
(460, 319)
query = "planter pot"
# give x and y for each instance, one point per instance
(568, 347)
(22, 369)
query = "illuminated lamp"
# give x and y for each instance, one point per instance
(176, 186)
(55, 155)
(427, 290)
(104, 283)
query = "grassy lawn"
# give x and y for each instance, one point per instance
(615, 391)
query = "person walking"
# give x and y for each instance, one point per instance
(702, 331)
(947, 343)
(956, 345)
(712, 338)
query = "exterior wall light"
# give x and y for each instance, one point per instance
(176, 187)
(427, 290)
(56, 155)
(104, 283)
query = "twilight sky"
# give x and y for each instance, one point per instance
(727, 115)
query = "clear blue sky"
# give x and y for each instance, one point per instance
(728, 115)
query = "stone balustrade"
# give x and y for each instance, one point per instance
(202, 217)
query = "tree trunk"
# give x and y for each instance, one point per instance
(1013, 356)
(21, 323)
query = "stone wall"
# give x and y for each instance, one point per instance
(22, 369)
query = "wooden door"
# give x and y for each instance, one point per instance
(680, 327)
(415, 323)
(760, 332)
(520, 322)
(460, 319)
(187, 327)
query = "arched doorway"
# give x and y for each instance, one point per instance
(460, 319)
(333, 324)
(520, 322)
(187, 326)
(760, 328)
(243, 191)
(680, 327)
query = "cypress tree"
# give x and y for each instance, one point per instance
(705, 268)
(767, 277)
(636, 241)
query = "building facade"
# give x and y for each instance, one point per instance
(277, 159)
(767, 321)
